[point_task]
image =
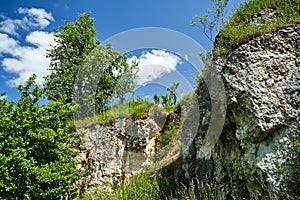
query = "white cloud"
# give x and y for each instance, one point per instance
(40, 39)
(7, 44)
(10, 26)
(154, 64)
(23, 59)
(27, 60)
(35, 18)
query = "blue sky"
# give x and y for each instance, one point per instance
(26, 30)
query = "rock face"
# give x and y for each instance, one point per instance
(262, 83)
(117, 151)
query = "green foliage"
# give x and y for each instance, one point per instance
(139, 108)
(161, 185)
(76, 47)
(213, 20)
(156, 99)
(238, 29)
(36, 152)
(127, 75)
(173, 92)
(168, 100)
(140, 187)
(74, 41)
(101, 72)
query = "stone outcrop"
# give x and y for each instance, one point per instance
(262, 84)
(118, 150)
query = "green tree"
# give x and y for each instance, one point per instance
(166, 100)
(103, 74)
(77, 46)
(37, 153)
(173, 92)
(169, 99)
(212, 21)
(74, 41)
(127, 74)
(156, 99)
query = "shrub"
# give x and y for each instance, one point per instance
(36, 153)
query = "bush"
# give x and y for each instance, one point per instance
(36, 153)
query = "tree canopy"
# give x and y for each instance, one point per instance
(74, 41)
(77, 48)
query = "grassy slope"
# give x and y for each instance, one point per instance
(238, 28)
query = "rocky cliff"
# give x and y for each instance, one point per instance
(262, 84)
(251, 157)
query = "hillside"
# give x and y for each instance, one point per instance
(257, 154)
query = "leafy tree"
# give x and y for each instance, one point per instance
(166, 100)
(76, 46)
(156, 99)
(127, 74)
(173, 93)
(105, 74)
(212, 20)
(37, 153)
(74, 41)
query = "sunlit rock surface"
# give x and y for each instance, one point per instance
(118, 150)
(262, 83)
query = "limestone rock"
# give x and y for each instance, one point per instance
(262, 83)
(264, 16)
(118, 150)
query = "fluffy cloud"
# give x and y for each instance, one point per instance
(10, 26)
(40, 39)
(34, 18)
(26, 60)
(7, 44)
(155, 64)
(23, 58)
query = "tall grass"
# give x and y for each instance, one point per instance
(140, 187)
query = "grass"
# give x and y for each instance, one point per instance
(156, 186)
(136, 109)
(238, 28)
(140, 187)
(146, 186)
